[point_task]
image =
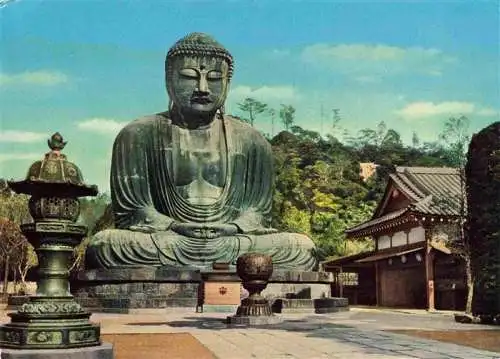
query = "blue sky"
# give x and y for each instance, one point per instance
(87, 67)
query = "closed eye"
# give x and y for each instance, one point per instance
(191, 73)
(214, 75)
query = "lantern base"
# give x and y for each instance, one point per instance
(255, 305)
(103, 351)
(49, 335)
(44, 325)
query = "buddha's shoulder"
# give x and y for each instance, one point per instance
(146, 122)
(241, 126)
(247, 133)
(237, 122)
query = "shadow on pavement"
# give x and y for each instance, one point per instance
(335, 336)
(296, 325)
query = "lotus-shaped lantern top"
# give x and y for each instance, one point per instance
(54, 175)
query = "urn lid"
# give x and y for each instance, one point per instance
(54, 173)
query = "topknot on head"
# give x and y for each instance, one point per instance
(201, 44)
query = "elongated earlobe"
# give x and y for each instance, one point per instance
(220, 112)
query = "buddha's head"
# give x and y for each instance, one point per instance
(198, 70)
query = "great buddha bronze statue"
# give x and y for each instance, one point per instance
(193, 186)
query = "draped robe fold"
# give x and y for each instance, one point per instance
(144, 187)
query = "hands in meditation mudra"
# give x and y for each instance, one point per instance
(193, 186)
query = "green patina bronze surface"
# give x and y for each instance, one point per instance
(52, 319)
(193, 186)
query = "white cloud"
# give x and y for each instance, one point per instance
(4, 157)
(102, 126)
(362, 59)
(355, 52)
(264, 93)
(488, 112)
(428, 109)
(21, 136)
(42, 78)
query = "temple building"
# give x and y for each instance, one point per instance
(412, 265)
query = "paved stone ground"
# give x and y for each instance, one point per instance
(357, 334)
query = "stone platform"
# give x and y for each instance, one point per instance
(282, 284)
(252, 321)
(122, 289)
(103, 351)
(128, 290)
(317, 306)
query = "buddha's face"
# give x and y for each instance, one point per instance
(198, 84)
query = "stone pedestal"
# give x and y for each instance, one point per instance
(129, 290)
(51, 319)
(103, 351)
(54, 324)
(14, 302)
(126, 290)
(313, 306)
(254, 269)
(298, 285)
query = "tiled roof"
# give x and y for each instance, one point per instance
(371, 256)
(398, 251)
(437, 189)
(385, 218)
(328, 263)
(433, 191)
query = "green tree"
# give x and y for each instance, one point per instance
(296, 220)
(253, 108)
(13, 212)
(415, 140)
(369, 137)
(14, 207)
(11, 240)
(331, 242)
(391, 140)
(26, 260)
(287, 115)
(91, 210)
(305, 135)
(483, 221)
(455, 137)
(272, 113)
(96, 213)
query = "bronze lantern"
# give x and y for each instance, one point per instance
(52, 319)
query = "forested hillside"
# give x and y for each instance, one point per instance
(319, 190)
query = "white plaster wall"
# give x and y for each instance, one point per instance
(384, 242)
(417, 234)
(399, 239)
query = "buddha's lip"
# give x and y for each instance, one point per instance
(201, 100)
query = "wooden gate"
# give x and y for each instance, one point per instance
(402, 287)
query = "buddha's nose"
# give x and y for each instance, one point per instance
(203, 85)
